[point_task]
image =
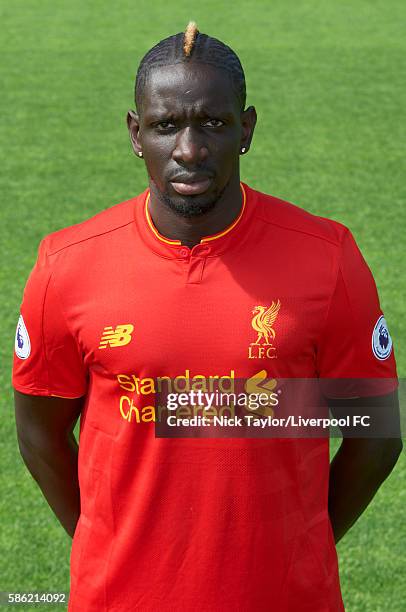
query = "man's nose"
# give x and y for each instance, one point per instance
(190, 148)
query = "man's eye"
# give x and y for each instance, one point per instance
(214, 122)
(164, 125)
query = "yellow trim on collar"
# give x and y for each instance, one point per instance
(228, 229)
(152, 226)
(206, 238)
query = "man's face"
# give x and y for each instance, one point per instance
(190, 129)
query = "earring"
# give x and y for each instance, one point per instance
(243, 149)
(139, 153)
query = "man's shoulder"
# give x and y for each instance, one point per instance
(276, 212)
(101, 224)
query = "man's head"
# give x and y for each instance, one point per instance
(191, 126)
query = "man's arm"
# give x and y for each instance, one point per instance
(49, 450)
(362, 464)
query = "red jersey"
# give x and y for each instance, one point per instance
(224, 524)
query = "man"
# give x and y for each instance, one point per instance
(170, 286)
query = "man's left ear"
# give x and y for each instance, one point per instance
(248, 122)
(133, 124)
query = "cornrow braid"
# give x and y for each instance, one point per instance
(194, 46)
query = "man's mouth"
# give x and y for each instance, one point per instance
(192, 186)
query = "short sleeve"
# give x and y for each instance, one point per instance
(355, 356)
(47, 358)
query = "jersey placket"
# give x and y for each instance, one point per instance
(194, 261)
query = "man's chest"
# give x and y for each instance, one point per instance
(149, 319)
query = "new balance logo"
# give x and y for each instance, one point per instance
(116, 337)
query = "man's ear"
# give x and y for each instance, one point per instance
(248, 122)
(133, 124)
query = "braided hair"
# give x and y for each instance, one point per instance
(192, 46)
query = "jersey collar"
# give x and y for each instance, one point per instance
(214, 244)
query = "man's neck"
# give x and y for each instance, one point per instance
(190, 230)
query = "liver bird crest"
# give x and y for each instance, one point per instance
(263, 320)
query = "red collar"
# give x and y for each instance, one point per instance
(211, 245)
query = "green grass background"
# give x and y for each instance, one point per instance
(327, 79)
